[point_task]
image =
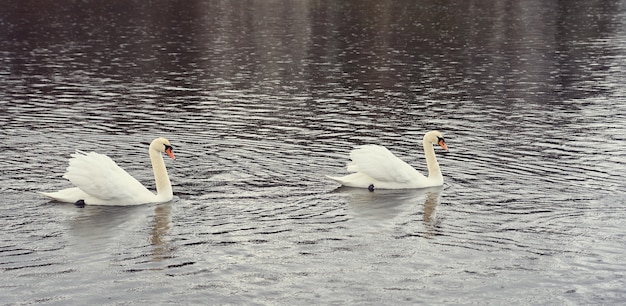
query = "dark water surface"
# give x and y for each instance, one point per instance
(262, 99)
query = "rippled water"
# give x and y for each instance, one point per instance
(262, 99)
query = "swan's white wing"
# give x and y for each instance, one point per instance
(380, 164)
(101, 178)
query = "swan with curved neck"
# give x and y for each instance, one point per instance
(376, 167)
(100, 181)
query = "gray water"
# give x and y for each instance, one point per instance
(262, 99)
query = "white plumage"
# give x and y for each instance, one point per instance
(100, 181)
(374, 166)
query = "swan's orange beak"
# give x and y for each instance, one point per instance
(169, 152)
(442, 144)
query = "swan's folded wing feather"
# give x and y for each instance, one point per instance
(379, 163)
(100, 177)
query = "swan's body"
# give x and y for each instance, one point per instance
(376, 167)
(100, 181)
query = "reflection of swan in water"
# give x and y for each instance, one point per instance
(162, 218)
(94, 227)
(431, 222)
(432, 199)
(386, 204)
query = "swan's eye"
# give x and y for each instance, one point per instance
(440, 139)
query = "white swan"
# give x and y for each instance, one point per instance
(375, 167)
(100, 181)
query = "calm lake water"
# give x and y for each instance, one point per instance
(262, 99)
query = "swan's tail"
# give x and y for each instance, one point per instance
(334, 178)
(358, 180)
(68, 195)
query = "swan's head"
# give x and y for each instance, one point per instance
(435, 137)
(162, 145)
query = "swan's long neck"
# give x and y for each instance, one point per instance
(434, 172)
(163, 185)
